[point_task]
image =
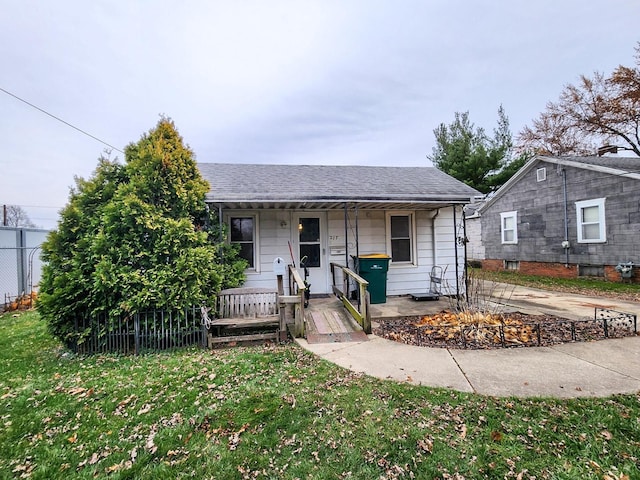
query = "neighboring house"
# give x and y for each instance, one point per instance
(475, 247)
(332, 213)
(565, 217)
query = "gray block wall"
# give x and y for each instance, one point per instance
(541, 213)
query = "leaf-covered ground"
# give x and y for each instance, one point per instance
(279, 412)
(485, 331)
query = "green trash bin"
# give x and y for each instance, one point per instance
(373, 268)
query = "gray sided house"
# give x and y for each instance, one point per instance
(333, 213)
(565, 217)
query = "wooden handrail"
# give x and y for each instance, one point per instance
(297, 287)
(359, 312)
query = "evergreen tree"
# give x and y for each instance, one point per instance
(135, 237)
(467, 153)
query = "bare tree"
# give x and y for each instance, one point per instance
(597, 111)
(16, 216)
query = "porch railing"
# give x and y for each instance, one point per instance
(296, 299)
(360, 309)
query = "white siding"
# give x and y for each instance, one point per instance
(446, 234)
(275, 230)
(475, 247)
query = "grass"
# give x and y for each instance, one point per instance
(279, 412)
(586, 286)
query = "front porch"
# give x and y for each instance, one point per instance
(318, 318)
(395, 306)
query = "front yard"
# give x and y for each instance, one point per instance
(279, 412)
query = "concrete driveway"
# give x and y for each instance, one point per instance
(599, 368)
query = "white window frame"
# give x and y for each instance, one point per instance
(412, 236)
(503, 217)
(602, 234)
(541, 174)
(256, 236)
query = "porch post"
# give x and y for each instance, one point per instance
(455, 248)
(357, 236)
(466, 260)
(346, 233)
(220, 222)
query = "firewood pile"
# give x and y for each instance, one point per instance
(479, 330)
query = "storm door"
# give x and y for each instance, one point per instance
(310, 240)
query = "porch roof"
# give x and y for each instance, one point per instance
(259, 186)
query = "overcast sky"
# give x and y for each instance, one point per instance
(306, 82)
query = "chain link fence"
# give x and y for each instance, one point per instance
(20, 266)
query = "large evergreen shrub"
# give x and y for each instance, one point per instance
(135, 237)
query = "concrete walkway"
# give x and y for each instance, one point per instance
(597, 369)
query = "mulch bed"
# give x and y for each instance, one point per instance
(513, 330)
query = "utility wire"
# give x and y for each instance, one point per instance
(61, 120)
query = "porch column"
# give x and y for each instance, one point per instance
(455, 248)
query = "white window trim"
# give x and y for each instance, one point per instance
(412, 240)
(596, 202)
(256, 236)
(541, 174)
(514, 215)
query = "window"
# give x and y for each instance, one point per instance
(591, 270)
(591, 225)
(509, 227)
(400, 235)
(511, 265)
(243, 232)
(541, 174)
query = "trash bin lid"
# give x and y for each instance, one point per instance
(375, 255)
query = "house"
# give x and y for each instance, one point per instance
(334, 213)
(565, 217)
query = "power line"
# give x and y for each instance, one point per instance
(61, 120)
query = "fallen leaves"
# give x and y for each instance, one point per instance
(473, 329)
(290, 399)
(149, 445)
(425, 444)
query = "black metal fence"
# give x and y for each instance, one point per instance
(154, 330)
(605, 323)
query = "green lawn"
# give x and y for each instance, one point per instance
(279, 412)
(584, 285)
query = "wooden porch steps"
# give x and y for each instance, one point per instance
(238, 330)
(332, 326)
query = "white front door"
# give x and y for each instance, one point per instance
(311, 249)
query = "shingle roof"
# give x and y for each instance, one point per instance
(628, 167)
(322, 183)
(629, 164)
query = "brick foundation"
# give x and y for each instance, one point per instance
(556, 270)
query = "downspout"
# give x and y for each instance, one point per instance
(455, 249)
(433, 235)
(565, 244)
